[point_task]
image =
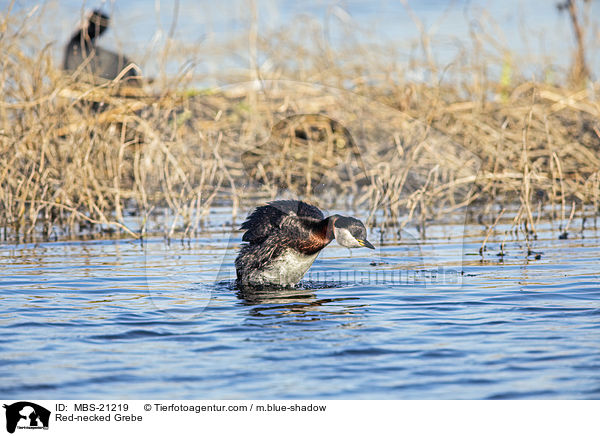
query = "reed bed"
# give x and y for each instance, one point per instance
(80, 159)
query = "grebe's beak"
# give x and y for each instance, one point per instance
(365, 243)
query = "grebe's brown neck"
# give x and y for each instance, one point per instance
(320, 234)
(328, 226)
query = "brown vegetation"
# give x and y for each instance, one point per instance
(408, 153)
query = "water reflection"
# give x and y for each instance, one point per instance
(299, 304)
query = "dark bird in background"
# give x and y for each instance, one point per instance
(82, 49)
(285, 237)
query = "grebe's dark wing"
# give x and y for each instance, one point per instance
(298, 208)
(264, 220)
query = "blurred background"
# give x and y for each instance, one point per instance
(219, 40)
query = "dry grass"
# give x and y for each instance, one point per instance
(408, 153)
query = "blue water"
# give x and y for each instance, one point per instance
(416, 319)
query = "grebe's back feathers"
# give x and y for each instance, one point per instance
(267, 219)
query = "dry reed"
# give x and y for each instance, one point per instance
(408, 153)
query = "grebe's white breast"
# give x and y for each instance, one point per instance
(286, 270)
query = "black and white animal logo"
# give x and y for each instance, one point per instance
(26, 415)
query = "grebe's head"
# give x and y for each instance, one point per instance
(97, 23)
(350, 232)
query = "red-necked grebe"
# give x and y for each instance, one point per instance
(100, 62)
(285, 237)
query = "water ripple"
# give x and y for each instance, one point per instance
(85, 320)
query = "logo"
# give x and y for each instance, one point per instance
(26, 415)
